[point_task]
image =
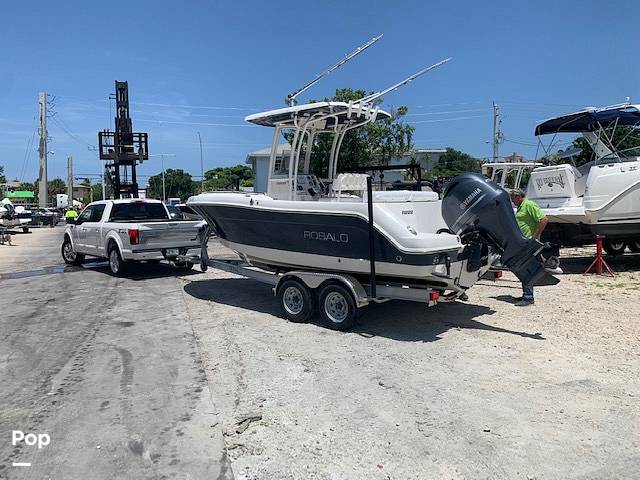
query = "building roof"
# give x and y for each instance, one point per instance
(282, 149)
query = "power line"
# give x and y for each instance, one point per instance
(452, 119)
(447, 112)
(58, 122)
(196, 123)
(27, 155)
(193, 106)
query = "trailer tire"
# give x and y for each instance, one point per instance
(117, 266)
(634, 246)
(338, 307)
(295, 300)
(613, 247)
(69, 256)
(184, 266)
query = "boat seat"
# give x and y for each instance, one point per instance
(350, 182)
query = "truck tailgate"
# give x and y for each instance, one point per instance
(169, 234)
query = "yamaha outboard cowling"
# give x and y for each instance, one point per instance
(473, 206)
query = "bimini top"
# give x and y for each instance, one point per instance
(339, 112)
(591, 120)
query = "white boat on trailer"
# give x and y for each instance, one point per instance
(340, 233)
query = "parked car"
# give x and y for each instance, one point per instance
(45, 216)
(130, 230)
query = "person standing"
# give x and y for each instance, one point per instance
(532, 222)
(71, 214)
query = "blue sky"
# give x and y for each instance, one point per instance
(203, 65)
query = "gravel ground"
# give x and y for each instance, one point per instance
(476, 389)
(480, 389)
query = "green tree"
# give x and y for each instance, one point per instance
(374, 143)
(454, 162)
(178, 183)
(96, 188)
(228, 178)
(624, 138)
(2, 177)
(55, 187)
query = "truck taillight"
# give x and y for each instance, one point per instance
(134, 236)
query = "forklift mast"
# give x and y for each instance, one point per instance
(123, 149)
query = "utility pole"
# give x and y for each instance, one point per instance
(201, 164)
(43, 191)
(162, 155)
(497, 134)
(164, 192)
(70, 181)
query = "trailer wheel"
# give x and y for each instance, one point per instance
(185, 266)
(338, 307)
(634, 246)
(25, 229)
(117, 266)
(69, 256)
(613, 247)
(295, 301)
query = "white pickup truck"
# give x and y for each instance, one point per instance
(130, 230)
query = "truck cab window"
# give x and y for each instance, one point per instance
(96, 213)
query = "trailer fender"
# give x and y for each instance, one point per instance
(314, 280)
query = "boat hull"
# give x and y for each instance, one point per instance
(286, 240)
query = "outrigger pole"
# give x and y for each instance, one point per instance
(291, 98)
(374, 96)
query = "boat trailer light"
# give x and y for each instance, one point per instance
(434, 296)
(134, 236)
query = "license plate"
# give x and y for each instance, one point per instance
(172, 252)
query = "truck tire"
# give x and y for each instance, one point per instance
(69, 256)
(613, 247)
(296, 301)
(117, 266)
(337, 307)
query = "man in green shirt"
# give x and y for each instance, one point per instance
(532, 222)
(71, 214)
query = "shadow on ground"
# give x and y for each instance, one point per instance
(402, 321)
(141, 271)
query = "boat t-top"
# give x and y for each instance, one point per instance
(337, 223)
(601, 197)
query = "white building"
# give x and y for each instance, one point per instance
(259, 161)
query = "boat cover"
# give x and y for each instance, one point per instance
(591, 120)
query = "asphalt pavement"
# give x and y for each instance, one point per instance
(108, 369)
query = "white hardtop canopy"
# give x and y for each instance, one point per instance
(336, 113)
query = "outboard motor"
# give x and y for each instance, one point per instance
(473, 206)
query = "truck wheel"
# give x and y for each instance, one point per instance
(295, 301)
(117, 266)
(634, 246)
(338, 307)
(69, 256)
(613, 247)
